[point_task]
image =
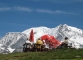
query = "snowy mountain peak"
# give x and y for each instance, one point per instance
(11, 38)
(67, 28)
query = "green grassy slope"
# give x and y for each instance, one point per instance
(58, 54)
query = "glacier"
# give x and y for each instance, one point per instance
(13, 41)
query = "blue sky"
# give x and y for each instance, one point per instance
(19, 15)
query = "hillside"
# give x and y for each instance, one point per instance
(58, 54)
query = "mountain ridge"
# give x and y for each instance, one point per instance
(15, 40)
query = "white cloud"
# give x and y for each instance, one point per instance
(26, 9)
(53, 12)
(44, 11)
(14, 24)
(23, 9)
(5, 9)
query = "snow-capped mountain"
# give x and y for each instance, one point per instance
(15, 40)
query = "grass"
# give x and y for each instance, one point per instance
(58, 54)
